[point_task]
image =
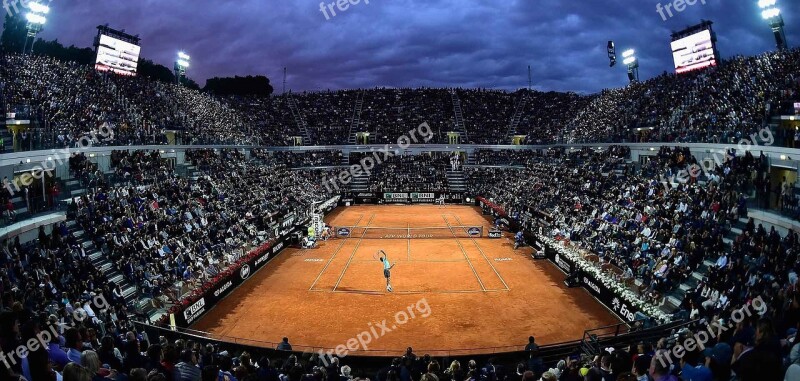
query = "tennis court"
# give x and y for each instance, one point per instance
(483, 294)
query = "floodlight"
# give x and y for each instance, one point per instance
(183, 56)
(629, 60)
(36, 19)
(628, 53)
(770, 13)
(766, 3)
(39, 8)
(183, 63)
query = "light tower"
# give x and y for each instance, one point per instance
(37, 17)
(181, 64)
(773, 16)
(632, 63)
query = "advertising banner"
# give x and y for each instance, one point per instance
(223, 286)
(600, 291)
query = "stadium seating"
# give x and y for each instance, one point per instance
(147, 234)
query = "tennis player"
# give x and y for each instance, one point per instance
(387, 269)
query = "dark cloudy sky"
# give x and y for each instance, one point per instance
(412, 43)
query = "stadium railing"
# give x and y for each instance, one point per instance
(618, 335)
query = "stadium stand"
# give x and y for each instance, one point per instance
(143, 237)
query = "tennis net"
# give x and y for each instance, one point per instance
(374, 232)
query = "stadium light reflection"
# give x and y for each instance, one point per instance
(772, 15)
(181, 64)
(632, 63)
(766, 3)
(39, 8)
(36, 19)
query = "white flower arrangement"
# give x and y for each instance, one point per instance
(616, 287)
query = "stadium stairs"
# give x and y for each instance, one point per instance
(299, 120)
(101, 261)
(351, 135)
(767, 219)
(519, 110)
(460, 127)
(360, 183)
(456, 181)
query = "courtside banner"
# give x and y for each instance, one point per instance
(416, 197)
(232, 278)
(365, 198)
(600, 291)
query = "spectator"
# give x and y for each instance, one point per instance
(284, 345)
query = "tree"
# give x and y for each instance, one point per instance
(154, 71)
(250, 85)
(14, 33)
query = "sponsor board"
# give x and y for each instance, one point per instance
(344, 232)
(503, 259)
(261, 260)
(244, 273)
(395, 196)
(601, 292)
(495, 234)
(474, 231)
(195, 310)
(562, 264)
(430, 196)
(621, 308)
(224, 288)
(591, 285)
(366, 195)
(211, 297)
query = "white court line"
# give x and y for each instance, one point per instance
(355, 249)
(333, 256)
(483, 254)
(464, 253)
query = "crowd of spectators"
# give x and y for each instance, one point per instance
(327, 114)
(166, 234)
(719, 104)
(305, 159)
(661, 233)
(407, 173)
(487, 157)
(268, 120)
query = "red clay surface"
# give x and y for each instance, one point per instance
(467, 296)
